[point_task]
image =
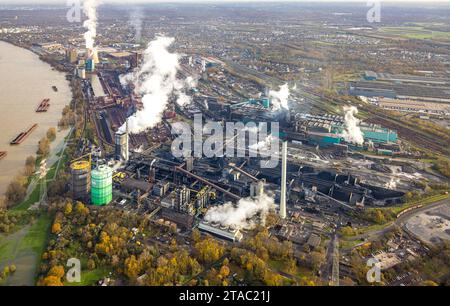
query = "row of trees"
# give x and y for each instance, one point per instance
(6, 272)
(17, 189)
(44, 143)
(443, 166)
(115, 240)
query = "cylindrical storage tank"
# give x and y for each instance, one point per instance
(81, 180)
(101, 188)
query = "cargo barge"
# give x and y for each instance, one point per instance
(43, 106)
(23, 135)
(3, 154)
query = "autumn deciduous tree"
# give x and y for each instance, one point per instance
(30, 165)
(224, 271)
(15, 191)
(68, 209)
(196, 235)
(56, 228)
(51, 281)
(51, 133)
(131, 267)
(43, 147)
(90, 264)
(53, 277)
(57, 271)
(273, 279)
(209, 250)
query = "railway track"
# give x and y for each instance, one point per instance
(412, 134)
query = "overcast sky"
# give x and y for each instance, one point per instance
(187, 1)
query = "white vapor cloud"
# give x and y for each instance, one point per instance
(352, 132)
(90, 9)
(156, 80)
(280, 97)
(241, 214)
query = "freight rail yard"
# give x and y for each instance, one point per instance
(242, 147)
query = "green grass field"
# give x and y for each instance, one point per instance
(89, 278)
(415, 32)
(23, 249)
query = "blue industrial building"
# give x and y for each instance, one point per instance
(90, 65)
(327, 130)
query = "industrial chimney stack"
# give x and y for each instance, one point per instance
(122, 146)
(283, 180)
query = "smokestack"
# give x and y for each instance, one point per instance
(121, 148)
(283, 180)
(126, 150)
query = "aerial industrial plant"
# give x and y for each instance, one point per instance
(247, 148)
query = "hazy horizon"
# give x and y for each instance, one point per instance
(63, 2)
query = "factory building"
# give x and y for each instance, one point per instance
(121, 149)
(223, 232)
(160, 189)
(257, 189)
(72, 55)
(90, 65)
(80, 72)
(395, 90)
(326, 130)
(324, 139)
(347, 189)
(183, 203)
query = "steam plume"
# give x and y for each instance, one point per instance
(392, 184)
(90, 9)
(240, 215)
(156, 80)
(280, 98)
(352, 132)
(136, 20)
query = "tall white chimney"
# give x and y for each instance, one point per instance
(283, 180)
(126, 150)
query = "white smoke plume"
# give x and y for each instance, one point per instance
(352, 132)
(280, 97)
(392, 184)
(241, 214)
(263, 144)
(191, 82)
(183, 99)
(156, 80)
(126, 79)
(90, 9)
(136, 21)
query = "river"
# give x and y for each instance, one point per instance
(25, 81)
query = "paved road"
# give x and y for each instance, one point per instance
(328, 265)
(51, 159)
